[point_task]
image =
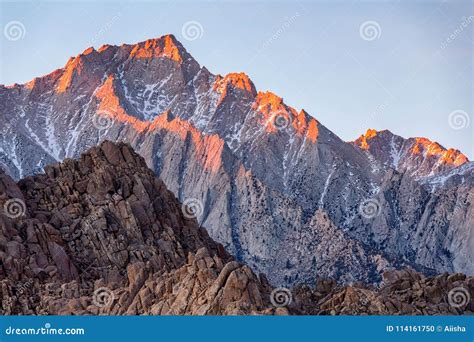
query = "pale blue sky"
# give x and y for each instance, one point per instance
(408, 79)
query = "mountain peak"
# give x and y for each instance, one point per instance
(164, 46)
(268, 102)
(370, 133)
(432, 148)
(419, 155)
(363, 141)
(104, 48)
(237, 159)
(88, 51)
(238, 80)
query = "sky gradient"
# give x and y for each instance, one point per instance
(410, 70)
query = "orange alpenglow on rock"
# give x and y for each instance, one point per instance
(208, 148)
(238, 80)
(430, 148)
(88, 51)
(416, 149)
(268, 102)
(73, 67)
(303, 123)
(313, 130)
(110, 106)
(363, 140)
(165, 46)
(31, 84)
(235, 80)
(270, 105)
(300, 122)
(455, 157)
(104, 48)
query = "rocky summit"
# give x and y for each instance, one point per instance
(103, 235)
(279, 190)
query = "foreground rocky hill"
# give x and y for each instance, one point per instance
(277, 188)
(103, 235)
(105, 223)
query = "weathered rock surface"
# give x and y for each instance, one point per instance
(103, 235)
(403, 292)
(418, 157)
(105, 221)
(259, 170)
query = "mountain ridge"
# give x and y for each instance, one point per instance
(259, 170)
(101, 235)
(418, 156)
(169, 47)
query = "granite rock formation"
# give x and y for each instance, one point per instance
(103, 235)
(270, 183)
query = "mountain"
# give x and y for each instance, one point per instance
(278, 189)
(103, 235)
(418, 157)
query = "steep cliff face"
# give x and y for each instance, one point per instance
(266, 180)
(433, 218)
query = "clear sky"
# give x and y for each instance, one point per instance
(406, 66)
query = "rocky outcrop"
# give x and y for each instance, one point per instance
(403, 292)
(418, 157)
(102, 235)
(257, 169)
(105, 227)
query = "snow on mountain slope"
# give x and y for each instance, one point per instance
(419, 157)
(271, 183)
